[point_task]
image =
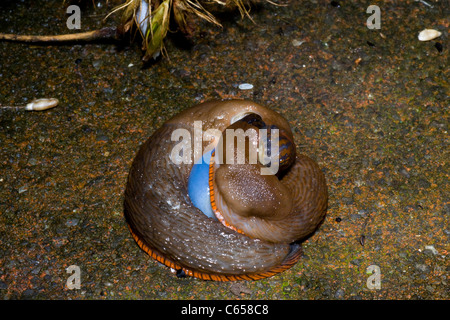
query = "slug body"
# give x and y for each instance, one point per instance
(253, 223)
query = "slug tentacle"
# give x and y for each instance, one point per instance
(165, 223)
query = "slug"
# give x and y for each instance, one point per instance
(218, 220)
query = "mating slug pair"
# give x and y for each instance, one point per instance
(219, 221)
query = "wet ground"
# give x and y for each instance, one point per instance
(371, 106)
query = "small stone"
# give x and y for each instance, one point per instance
(428, 34)
(238, 288)
(404, 173)
(245, 86)
(97, 64)
(287, 289)
(297, 43)
(28, 293)
(72, 222)
(339, 294)
(432, 249)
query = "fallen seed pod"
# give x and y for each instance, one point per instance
(41, 104)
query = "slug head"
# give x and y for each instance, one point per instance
(242, 188)
(266, 137)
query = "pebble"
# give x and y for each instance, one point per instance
(339, 294)
(297, 43)
(97, 64)
(432, 249)
(287, 289)
(72, 222)
(28, 293)
(245, 86)
(238, 288)
(428, 34)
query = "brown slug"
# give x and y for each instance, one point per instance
(219, 220)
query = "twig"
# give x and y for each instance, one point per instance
(104, 33)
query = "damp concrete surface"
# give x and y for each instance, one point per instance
(371, 106)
